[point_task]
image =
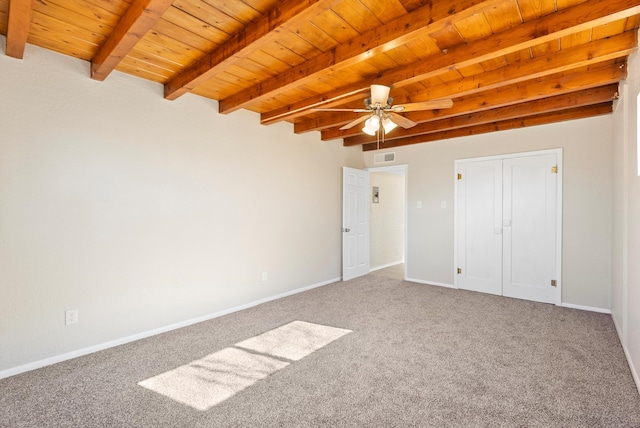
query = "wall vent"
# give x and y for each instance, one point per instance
(384, 157)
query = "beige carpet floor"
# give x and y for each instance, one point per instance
(415, 356)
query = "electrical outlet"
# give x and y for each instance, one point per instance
(71, 317)
(265, 276)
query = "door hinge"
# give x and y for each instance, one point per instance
(459, 176)
(459, 271)
(554, 169)
(553, 282)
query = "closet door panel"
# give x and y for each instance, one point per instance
(529, 220)
(478, 225)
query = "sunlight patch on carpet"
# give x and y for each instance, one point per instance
(206, 382)
(293, 341)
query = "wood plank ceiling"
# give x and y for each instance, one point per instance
(505, 63)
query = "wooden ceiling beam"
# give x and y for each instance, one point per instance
(427, 19)
(257, 34)
(541, 119)
(582, 98)
(509, 95)
(562, 83)
(576, 57)
(587, 54)
(559, 24)
(140, 16)
(18, 24)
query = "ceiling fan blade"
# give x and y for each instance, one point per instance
(379, 94)
(354, 110)
(354, 122)
(402, 121)
(424, 105)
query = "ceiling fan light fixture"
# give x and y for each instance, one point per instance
(381, 113)
(388, 125)
(371, 125)
(368, 131)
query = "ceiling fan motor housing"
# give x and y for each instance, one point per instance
(370, 106)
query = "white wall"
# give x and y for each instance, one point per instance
(120, 203)
(587, 212)
(387, 220)
(626, 227)
(142, 212)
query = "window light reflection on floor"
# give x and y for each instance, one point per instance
(209, 381)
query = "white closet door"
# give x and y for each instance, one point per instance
(529, 220)
(478, 226)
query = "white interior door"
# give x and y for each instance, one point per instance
(529, 216)
(479, 220)
(355, 223)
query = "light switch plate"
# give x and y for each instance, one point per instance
(71, 317)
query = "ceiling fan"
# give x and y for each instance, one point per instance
(382, 116)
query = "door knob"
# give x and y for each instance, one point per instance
(346, 229)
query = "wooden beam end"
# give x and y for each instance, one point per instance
(97, 73)
(14, 52)
(172, 93)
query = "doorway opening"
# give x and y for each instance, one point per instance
(388, 217)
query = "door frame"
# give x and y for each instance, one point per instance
(558, 153)
(404, 170)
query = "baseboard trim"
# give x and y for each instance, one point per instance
(113, 343)
(619, 331)
(437, 284)
(634, 372)
(586, 308)
(386, 266)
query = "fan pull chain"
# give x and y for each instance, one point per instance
(378, 134)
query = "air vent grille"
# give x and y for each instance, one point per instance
(384, 157)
